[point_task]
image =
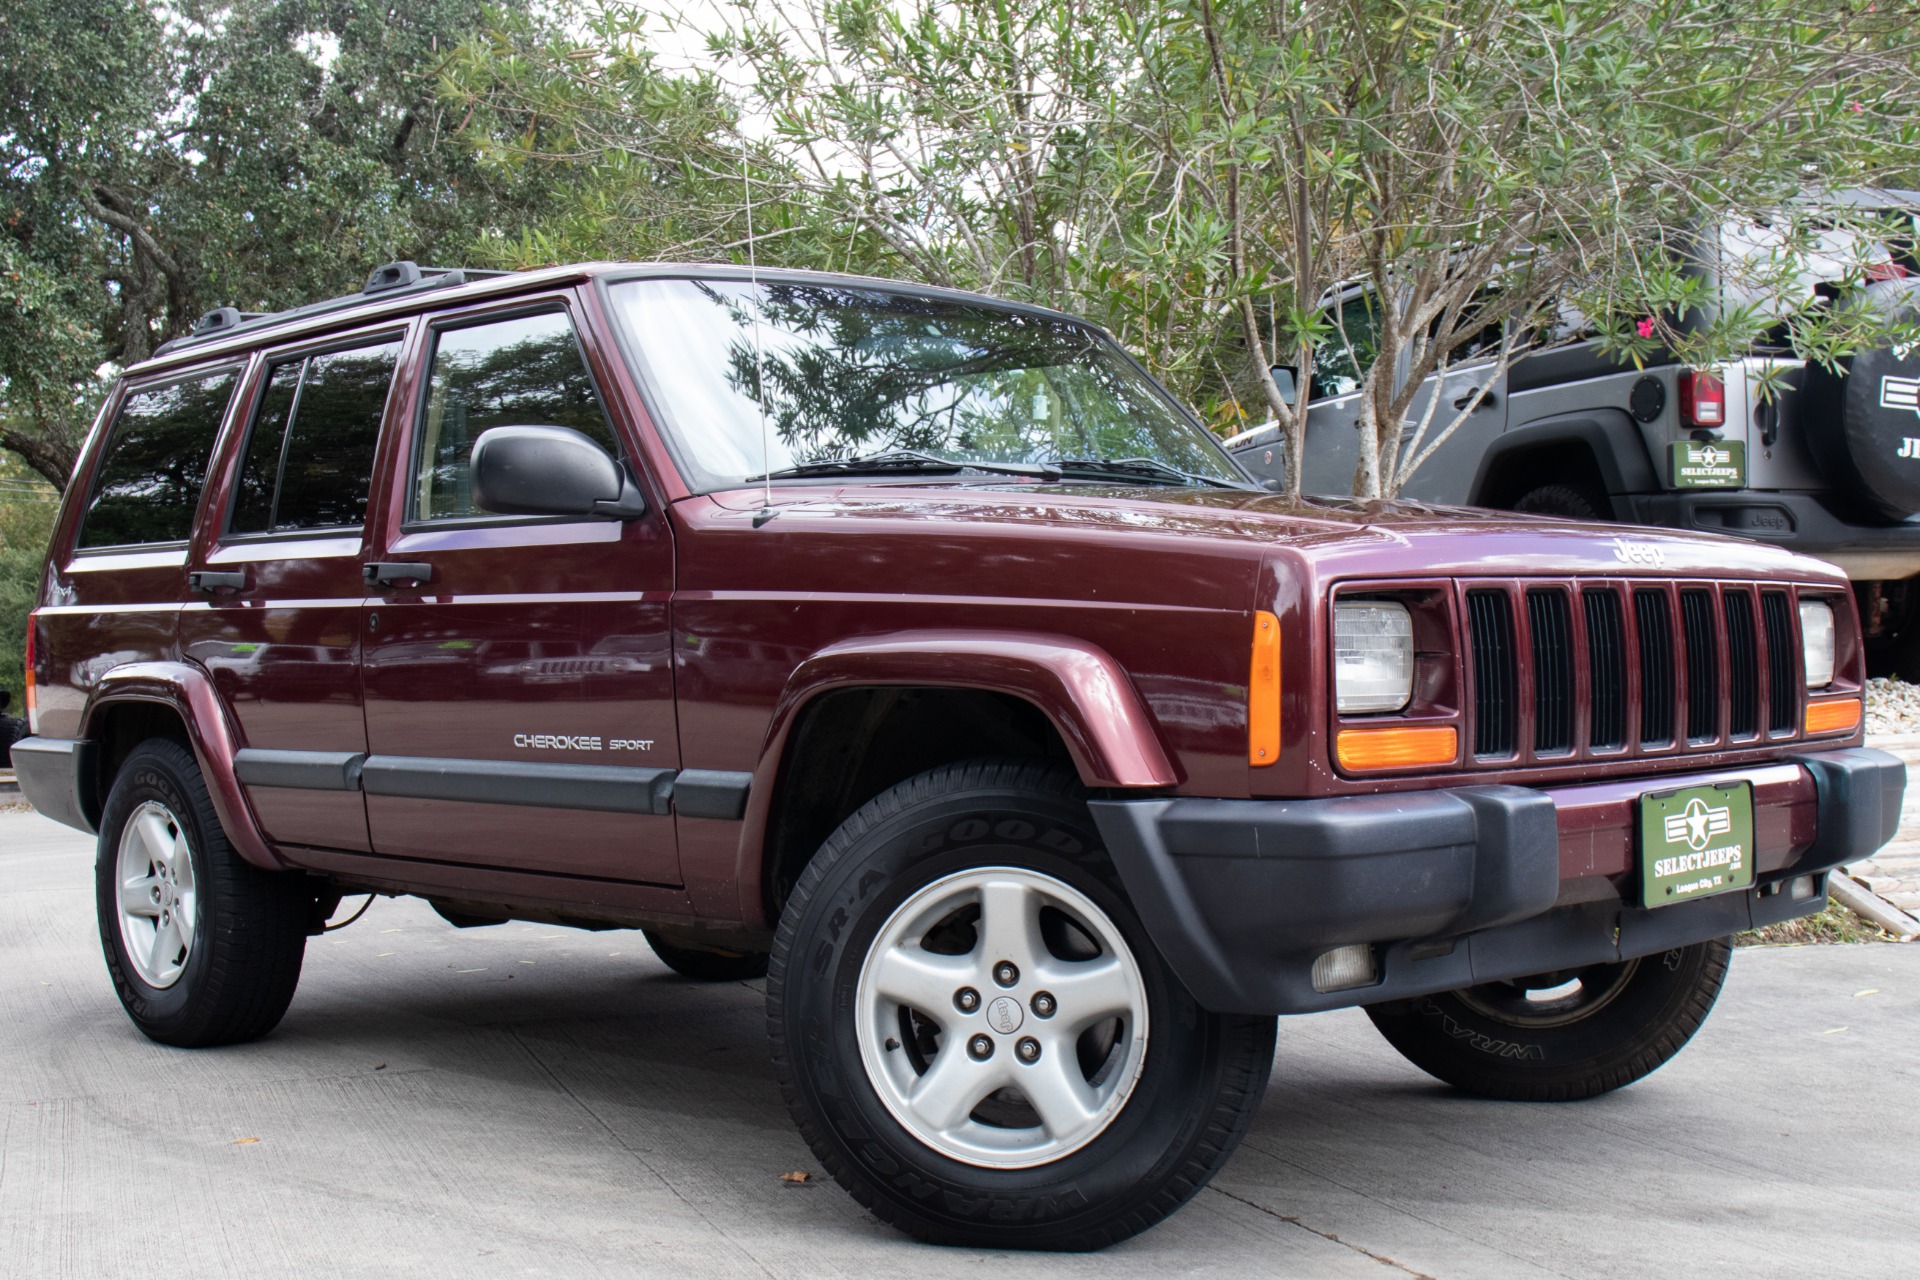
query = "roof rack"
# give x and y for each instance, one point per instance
(404, 276)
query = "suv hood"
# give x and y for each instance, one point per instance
(1339, 536)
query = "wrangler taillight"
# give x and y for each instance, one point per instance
(1703, 399)
(33, 708)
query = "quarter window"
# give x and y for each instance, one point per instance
(155, 463)
(309, 461)
(527, 371)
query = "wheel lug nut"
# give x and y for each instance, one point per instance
(1042, 1004)
(1028, 1049)
(980, 1048)
(966, 999)
(1006, 973)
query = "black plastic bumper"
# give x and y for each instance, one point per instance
(49, 771)
(1796, 521)
(1449, 888)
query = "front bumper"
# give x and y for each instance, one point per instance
(1456, 887)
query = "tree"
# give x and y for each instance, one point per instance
(157, 161)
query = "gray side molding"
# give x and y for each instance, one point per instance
(711, 793)
(607, 788)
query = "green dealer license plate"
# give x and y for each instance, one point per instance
(1695, 841)
(1718, 464)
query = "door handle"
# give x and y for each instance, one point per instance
(209, 581)
(1467, 399)
(386, 573)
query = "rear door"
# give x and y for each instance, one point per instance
(276, 581)
(519, 688)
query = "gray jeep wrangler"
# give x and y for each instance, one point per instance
(1829, 466)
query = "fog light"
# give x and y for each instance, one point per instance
(1344, 967)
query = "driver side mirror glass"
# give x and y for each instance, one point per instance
(550, 471)
(1283, 379)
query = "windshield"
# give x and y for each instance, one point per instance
(847, 372)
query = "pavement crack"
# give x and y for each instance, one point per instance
(1292, 1221)
(627, 1147)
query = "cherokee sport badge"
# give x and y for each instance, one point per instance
(1711, 464)
(1695, 841)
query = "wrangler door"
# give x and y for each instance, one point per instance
(519, 693)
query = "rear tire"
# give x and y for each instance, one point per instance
(1614, 1024)
(705, 965)
(1573, 502)
(1062, 1092)
(203, 947)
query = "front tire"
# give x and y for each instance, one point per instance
(975, 1034)
(1560, 1037)
(203, 947)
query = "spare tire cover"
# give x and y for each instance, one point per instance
(1862, 421)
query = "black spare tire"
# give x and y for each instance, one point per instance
(1862, 420)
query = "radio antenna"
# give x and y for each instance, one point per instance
(766, 511)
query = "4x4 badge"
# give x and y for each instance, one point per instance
(1901, 393)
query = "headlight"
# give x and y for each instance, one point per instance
(1816, 643)
(1372, 656)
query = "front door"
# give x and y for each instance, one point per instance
(277, 585)
(519, 688)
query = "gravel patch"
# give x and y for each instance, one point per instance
(1893, 706)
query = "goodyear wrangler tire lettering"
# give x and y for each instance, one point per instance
(1560, 1036)
(1192, 1096)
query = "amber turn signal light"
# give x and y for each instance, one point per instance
(1263, 691)
(1404, 748)
(1832, 717)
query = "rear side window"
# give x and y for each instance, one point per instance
(527, 371)
(309, 459)
(155, 463)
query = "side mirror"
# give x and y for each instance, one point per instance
(550, 471)
(1283, 379)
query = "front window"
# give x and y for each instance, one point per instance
(845, 372)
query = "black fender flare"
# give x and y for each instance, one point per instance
(1614, 439)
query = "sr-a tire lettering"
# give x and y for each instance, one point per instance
(1483, 1043)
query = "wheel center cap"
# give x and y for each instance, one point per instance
(1005, 1015)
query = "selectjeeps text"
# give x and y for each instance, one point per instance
(918, 651)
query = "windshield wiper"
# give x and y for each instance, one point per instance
(907, 462)
(1142, 469)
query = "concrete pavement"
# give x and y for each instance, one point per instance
(531, 1101)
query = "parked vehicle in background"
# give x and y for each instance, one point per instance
(12, 728)
(916, 651)
(1765, 447)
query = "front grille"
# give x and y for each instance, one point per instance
(1495, 703)
(1782, 670)
(1550, 620)
(1627, 669)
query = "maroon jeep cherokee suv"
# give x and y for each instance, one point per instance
(917, 651)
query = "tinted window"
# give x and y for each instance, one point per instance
(527, 371)
(260, 471)
(311, 455)
(1347, 353)
(155, 463)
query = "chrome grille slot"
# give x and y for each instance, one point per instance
(1703, 665)
(1550, 620)
(1783, 667)
(1743, 666)
(1491, 642)
(1654, 622)
(1606, 669)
